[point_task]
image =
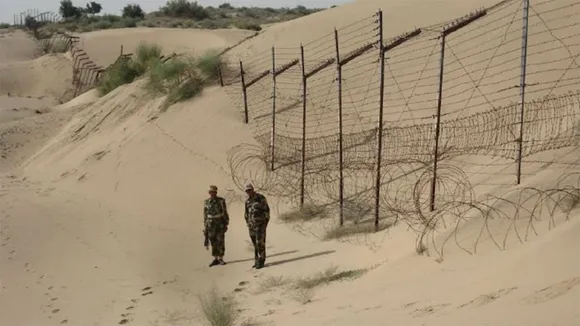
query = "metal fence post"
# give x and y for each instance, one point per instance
(273, 140)
(380, 130)
(242, 73)
(523, 86)
(303, 170)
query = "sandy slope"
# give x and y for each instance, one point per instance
(49, 76)
(103, 225)
(16, 46)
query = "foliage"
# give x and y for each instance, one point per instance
(133, 11)
(177, 77)
(93, 8)
(225, 5)
(209, 64)
(120, 73)
(184, 9)
(175, 14)
(68, 11)
(4, 26)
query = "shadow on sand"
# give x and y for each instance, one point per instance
(252, 259)
(291, 260)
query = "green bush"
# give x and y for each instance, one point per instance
(103, 24)
(133, 11)
(146, 55)
(185, 9)
(120, 73)
(249, 26)
(4, 26)
(178, 78)
(209, 65)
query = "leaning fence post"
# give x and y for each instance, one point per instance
(380, 130)
(464, 21)
(303, 170)
(220, 75)
(340, 145)
(523, 86)
(273, 139)
(438, 123)
(244, 92)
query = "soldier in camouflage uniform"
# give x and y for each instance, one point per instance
(257, 215)
(216, 220)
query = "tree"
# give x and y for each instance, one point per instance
(32, 24)
(68, 10)
(185, 9)
(133, 11)
(94, 8)
(225, 5)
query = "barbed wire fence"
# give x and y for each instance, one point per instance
(412, 128)
(415, 127)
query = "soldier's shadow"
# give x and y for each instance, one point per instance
(317, 254)
(252, 259)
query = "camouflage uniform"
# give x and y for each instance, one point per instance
(216, 221)
(257, 215)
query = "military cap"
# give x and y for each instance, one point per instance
(249, 186)
(213, 188)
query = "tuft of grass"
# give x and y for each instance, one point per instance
(272, 282)
(302, 295)
(120, 73)
(347, 230)
(219, 310)
(327, 276)
(125, 71)
(186, 90)
(178, 78)
(248, 26)
(146, 55)
(209, 65)
(307, 212)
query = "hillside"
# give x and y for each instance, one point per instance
(111, 205)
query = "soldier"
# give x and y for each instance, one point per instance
(216, 220)
(257, 215)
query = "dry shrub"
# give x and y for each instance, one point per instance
(305, 213)
(219, 310)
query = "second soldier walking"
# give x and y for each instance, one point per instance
(257, 215)
(216, 221)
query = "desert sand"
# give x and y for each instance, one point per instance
(101, 198)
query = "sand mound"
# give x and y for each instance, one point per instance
(16, 45)
(49, 76)
(103, 47)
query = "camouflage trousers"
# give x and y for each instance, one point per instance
(258, 236)
(217, 239)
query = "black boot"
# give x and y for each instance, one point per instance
(260, 264)
(214, 262)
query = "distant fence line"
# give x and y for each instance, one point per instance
(309, 118)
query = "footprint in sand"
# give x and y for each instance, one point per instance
(428, 310)
(488, 298)
(553, 291)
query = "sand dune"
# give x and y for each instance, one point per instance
(102, 225)
(47, 76)
(16, 46)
